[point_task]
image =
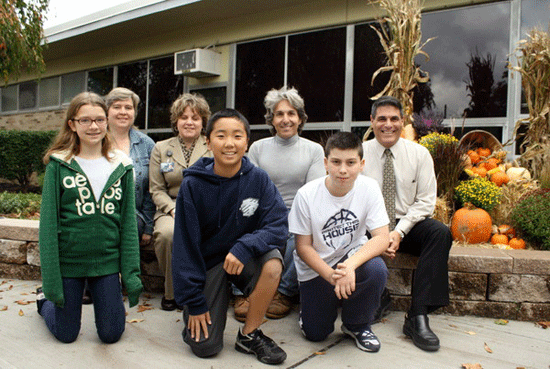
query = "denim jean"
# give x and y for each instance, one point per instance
(289, 278)
(64, 323)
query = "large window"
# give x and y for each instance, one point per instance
(260, 67)
(134, 77)
(368, 58)
(468, 59)
(317, 67)
(100, 81)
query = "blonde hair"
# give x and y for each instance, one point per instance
(67, 140)
(196, 102)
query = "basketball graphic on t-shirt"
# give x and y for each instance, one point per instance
(339, 228)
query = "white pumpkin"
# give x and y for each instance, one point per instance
(517, 173)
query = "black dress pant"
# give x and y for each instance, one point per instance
(431, 241)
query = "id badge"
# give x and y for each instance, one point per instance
(166, 167)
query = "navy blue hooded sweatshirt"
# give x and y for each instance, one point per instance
(244, 215)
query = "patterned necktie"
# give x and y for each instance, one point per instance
(388, 188)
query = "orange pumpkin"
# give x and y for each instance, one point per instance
(500, 178)
(480, 171)
(491, 163)
(499, 239)
(507, 230)
(474, 157)
(471, 224)
(484, 151)
(517, 243)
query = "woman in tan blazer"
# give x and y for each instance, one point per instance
(188, 115)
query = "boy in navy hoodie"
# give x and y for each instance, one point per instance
(230, 226)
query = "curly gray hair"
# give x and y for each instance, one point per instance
(291, 95)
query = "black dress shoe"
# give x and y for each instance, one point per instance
(383, 309)
(418, 328)
(169, 305)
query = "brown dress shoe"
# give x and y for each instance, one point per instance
(280, 306)
(241, 308)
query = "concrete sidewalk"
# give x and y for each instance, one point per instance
(153, 340)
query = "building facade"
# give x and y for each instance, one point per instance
(327, 49)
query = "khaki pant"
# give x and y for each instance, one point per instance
(162, 238)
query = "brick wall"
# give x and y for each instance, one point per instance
(34, 121)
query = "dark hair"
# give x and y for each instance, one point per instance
(344, 141)
(227, 113)
(386, 101)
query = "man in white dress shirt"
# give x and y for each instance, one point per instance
(415, 190)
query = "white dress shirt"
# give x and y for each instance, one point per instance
(416, 185)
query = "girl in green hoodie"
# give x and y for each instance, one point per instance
(87, 226)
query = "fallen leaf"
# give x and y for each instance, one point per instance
(10, 287)
(520, 367)
(472, 366)
(21, 313)
(1, 290)
(453, 326)
(471, 333)
(501, 322)
(142, 308)
(3, 308)
(147, 296)
(23, 302)
(24, 293)
(543, 325)
(178, 320)
(135, 320)
(319, 353)
(487, 348)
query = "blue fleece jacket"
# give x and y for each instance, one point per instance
(244, 215)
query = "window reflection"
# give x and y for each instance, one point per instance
(164, 89)
(260, 67)
(468, 59)
(134, 77)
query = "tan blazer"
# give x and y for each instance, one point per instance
(164, 184)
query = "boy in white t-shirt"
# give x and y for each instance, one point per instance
(337, 264)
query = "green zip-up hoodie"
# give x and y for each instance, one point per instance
(82, 237)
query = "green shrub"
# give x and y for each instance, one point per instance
(21, 153)
(21, 204)
(531, 218)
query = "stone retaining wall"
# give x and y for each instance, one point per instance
(508, 284)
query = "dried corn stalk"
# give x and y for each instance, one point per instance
(534, 67)
(400, 37)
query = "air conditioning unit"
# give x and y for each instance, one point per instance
(197, 63)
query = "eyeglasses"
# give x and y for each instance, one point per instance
(88, 121)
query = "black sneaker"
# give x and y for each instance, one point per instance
(365, 339)
(40, 299)
(265, 349)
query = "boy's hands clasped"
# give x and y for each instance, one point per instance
(343, 279)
